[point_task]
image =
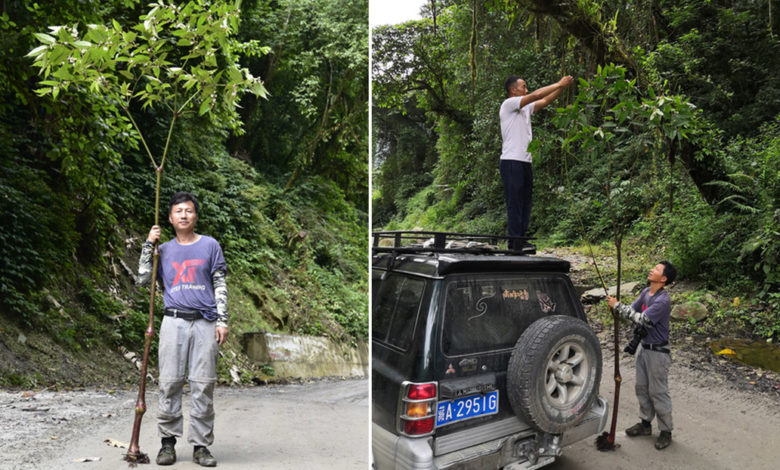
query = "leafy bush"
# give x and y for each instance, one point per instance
(37, 237)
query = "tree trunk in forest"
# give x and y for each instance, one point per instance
(703, 172)
(433, 15)
(237, 144)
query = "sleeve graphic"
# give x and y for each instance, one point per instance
(632, 315)
(220, 295)
(145, 264)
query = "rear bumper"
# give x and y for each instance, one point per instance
(394, 452)
(594, 423)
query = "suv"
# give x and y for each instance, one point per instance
(481, 357)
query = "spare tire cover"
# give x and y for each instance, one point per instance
(554, 373)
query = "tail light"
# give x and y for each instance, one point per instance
(418, 408)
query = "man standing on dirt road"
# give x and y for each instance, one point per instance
(192, 269)
(515, 115)
(652, 311)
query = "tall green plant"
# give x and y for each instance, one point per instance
(614, 138)
(613, 132)
(178, 58)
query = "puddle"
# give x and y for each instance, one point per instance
(753, 353)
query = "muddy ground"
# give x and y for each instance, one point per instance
(322, 425)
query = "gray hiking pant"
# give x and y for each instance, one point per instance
(652, 387)
(187, 346)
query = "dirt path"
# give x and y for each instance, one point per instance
(319, 425)
(324, 425)
(718, 426)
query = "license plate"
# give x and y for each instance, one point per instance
(474, 406)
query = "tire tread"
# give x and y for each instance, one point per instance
(524, 370)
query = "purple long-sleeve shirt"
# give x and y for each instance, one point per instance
(652, 312)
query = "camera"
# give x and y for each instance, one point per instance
(639, 333)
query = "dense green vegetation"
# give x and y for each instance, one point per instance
(668, 144)
(281, 179)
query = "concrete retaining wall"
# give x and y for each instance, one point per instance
(306, 356)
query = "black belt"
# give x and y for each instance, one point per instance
(183, 314)
(657, 347)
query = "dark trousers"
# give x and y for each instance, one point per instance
(518, 188)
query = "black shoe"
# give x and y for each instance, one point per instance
(639, 429)
(521, 247)
(664, 439)
(167, 454)
(203, 457)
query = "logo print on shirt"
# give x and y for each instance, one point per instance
(187, 271)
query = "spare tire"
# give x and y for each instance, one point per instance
(554, 373)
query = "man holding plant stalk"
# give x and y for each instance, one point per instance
(651, 312)
(515, 115)
(192, 269)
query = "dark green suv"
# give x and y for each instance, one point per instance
(481, 357)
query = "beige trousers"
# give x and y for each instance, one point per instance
(187, 347)
(652, 387)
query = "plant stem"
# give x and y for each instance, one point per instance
(133, 451)
(141, 135)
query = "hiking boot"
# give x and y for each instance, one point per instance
(203, 457)
(167, 454)
(639, 429)
(664, 439)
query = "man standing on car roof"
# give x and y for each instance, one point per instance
(652, 311)
(515, 115)
(192, 269)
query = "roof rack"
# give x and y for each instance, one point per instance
(407, 241)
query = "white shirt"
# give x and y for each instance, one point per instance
(516, 129)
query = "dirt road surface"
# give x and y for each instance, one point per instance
(716, 425)
(324, 425)
(318, 425)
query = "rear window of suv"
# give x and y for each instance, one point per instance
(490, 312)
(395, 306)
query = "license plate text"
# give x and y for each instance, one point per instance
(452, 411)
